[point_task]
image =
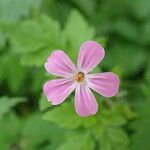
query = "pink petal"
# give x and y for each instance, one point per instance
(106, 84)
(85, 102)
(59, 64)
(58, 90)
(90, 55)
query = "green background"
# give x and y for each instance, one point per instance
(30, 30)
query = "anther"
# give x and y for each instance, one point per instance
(79, 77)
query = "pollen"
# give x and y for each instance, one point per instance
(79, 77)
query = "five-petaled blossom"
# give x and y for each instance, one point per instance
(79, 78)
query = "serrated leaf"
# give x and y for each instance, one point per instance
(80, 141)
(34, 35)
(36, 59)
(109, 131)
(118, 136)
(65, 116)
(76, 32)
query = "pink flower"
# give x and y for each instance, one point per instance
(78, 78)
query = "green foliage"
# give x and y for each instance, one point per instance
(140, 8)
(127, 29)
(34, 35)
(66, 117)
(7, 103)
(106, 127)
(145, 31)
(38, 134)
(141, 127)
(9, 129)
(12, 62)
(2, 40)
(43, 103)
(8, 9)
(142, 124)
(78, 141)
(123, 55)
(31, 133)
(109, 131)
(76, 32)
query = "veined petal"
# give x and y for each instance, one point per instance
(59, 64)
(85, 102)
(58, 90)
(90, 55)
(106, 84)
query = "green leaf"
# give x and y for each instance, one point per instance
(118, 136)
(129, 58)
(110, 138)
(36, 59)
(141, 127)
(48, 139)
(10, 127)
(35, 35)
(43, 103)
(14, 81)
(101, 40)
(2, 40)
(65, 116)
(105, 144)
(140, 8)
(86, 6)
(147, 77)
(78, 141)
(25, 133)
(126, 29)
(76, 32)
(12, 11)
(146, 85)
(145, 32)
(35, 40)
(57, 9)
(7, 103)
(109, 131)
(38, 78)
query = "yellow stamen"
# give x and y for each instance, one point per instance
(79, 77)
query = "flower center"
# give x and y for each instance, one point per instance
(79, 77)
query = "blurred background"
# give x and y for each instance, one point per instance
(30, 30)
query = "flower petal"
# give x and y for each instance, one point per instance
(58, 90)
(90, 55)
(106, 84)
(85, 102)
(59, 64)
